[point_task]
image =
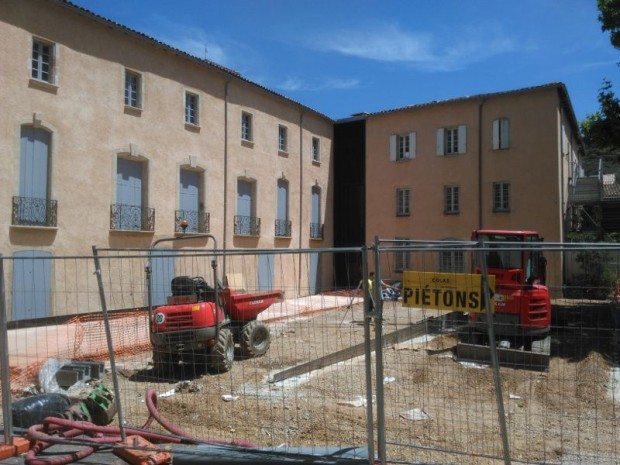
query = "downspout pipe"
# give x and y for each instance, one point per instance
(225, 219)
(480, 219)
(301, 190)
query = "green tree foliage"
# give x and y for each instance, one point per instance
(601, 130)
(610, 19)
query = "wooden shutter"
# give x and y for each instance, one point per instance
(505, 133)
(440, 141)
(412, 149)
(462, 139)
(393, 142)
(495, 134)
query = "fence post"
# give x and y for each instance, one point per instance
(108, 334)
(5, 373)
(368, 357)
(493, 351)
(378, 318)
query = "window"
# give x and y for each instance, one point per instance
(402, 260)
(451, 140)
(316, 227)
(33, 207)
(246, 126)
(130, 212)
(133, 89)
(282, 138)
(246, 222)
(316, 149)
(402, 147)
(191, 108)
(42, 63)
(191, 206)
(501, 197)
(451, 200)
(283, 224)
(501, 134)
(402, 202)
(452, 261)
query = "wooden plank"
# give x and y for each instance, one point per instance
(507, 357)
(401, 335)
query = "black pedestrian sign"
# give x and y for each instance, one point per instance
(457, 292)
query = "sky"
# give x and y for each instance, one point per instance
(341, 57)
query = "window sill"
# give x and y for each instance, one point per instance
(503, 210)
(317, 238)
(131, 231)
(316, 162)
(284, 237)
(404, 159)
(452, 213)
(247, 235)
(403, 215)
(43, 85)
(192, 127)
(247, 143)
(283, 153)
(32, 227)
(134, 111)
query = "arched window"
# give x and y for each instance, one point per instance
(33, 205)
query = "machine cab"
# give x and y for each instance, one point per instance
(513, 258)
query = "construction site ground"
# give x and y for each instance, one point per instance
(553, 416)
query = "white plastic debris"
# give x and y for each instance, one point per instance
(359, 401)
(167, 393)
(388, 379)
(229, 397)
(415, 414)
(514, 396)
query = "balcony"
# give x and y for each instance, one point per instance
(31, 211)
(316, 231)
(247, 226)
(283, 228)
(131, 218)
(197, 221)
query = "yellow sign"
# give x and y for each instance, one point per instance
(458, 292)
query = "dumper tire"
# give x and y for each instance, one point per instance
(254, 339)
(222, 354)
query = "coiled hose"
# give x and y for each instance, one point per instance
(106, 435)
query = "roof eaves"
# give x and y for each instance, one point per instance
(232, 73)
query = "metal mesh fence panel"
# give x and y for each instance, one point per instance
(558, 391)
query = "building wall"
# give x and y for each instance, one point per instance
(533, 164)
(91, 128)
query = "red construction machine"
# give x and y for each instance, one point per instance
(522, 308)
(200, 324)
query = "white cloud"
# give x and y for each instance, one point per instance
(191, 40)
(390, 43)
(298, 84)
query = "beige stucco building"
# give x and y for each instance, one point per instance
(439, 170)
(110, 138)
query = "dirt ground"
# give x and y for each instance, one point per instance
(436, 409)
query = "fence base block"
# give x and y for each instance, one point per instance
(19, 446)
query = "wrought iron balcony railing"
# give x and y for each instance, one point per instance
(316, 231)
(283, 228)
(197, 221)
(247, 226)
(131, 218)
(31, 211)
